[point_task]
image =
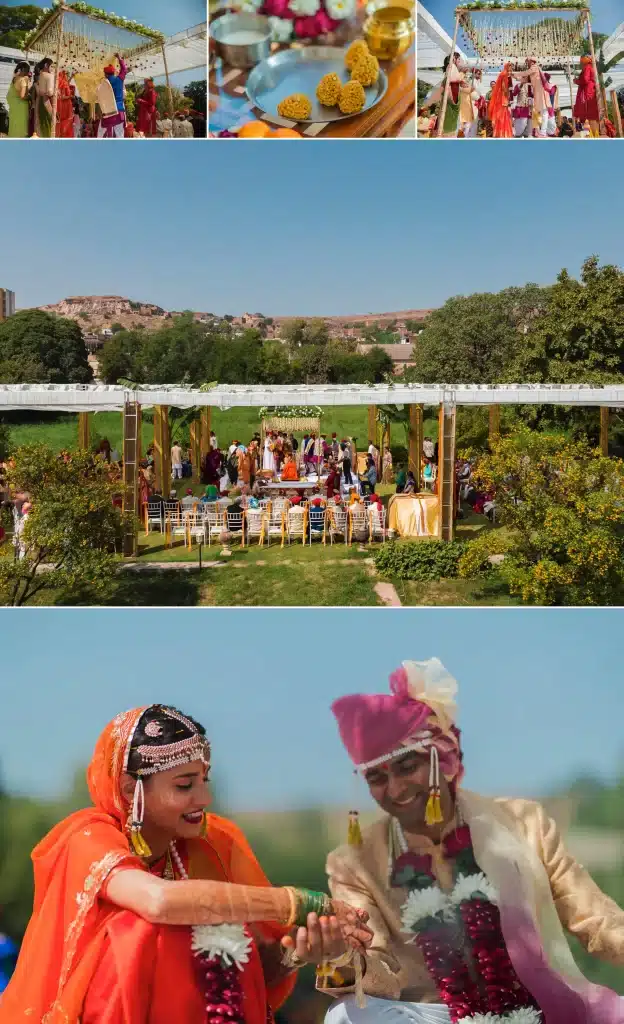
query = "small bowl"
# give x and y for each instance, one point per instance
(389, 32)
(242, 54)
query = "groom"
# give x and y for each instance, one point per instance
(466, 895)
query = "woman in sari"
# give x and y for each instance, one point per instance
(146, 906)
(586, 102)
(499, 111)
(17, 101)
(42, 94)
(146, 106)
(212, 468)
(64, 108)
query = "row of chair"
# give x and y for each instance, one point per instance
(285, 525)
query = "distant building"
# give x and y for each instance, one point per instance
(7, 304)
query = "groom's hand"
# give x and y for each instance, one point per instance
(325, 938)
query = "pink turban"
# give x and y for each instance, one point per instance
(374, 726)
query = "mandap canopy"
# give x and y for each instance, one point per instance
(298, 420)
(554, 32)
(82, 40)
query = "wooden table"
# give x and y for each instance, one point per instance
(229, 102)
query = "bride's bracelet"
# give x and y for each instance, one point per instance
(304, 902)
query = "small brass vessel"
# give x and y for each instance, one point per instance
(389, 32)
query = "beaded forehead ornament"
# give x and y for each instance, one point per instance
(160, 758)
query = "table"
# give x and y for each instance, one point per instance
(292, 485)
(414, 515)
(229, 102)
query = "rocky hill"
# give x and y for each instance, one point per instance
(95, 313)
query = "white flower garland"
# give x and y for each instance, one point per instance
(432, 902)
(228, 942)
(525, 1015)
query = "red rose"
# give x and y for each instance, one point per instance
(457, 841)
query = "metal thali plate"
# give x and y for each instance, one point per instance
(300, 70)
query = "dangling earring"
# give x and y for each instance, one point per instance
(137, 841)
(433, 810)
(204, 826)
(354, 832)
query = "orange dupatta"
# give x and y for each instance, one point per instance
(71, 926)
(498, 108)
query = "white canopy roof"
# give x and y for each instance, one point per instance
(434, 44)
(184, 51)
(614, 44)
(105, 397)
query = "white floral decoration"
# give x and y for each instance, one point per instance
(523, 1015)
(340, 9)
(229, 942)
(249, 6)
(424, 903)
(469, 887)
(305, 8)
(281, 29)
(483, 1018)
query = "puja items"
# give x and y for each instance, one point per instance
(242, 40)
(389, 32)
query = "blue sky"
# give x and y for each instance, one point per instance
(162, 15)
(606, 15)
(332, 228)
(541, 695)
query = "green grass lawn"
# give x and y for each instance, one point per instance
(62, 431)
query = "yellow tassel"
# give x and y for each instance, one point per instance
(204, 826)
(139, 845)
(433, 810)
(354, 835)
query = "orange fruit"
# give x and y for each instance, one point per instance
(254, 130)
(285, 133)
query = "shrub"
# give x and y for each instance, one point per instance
(474, 560)
(422, 560)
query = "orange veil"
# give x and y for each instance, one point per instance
(70, 926)
(498, 108)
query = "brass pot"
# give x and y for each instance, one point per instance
(389, 32)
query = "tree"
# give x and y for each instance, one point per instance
(578, 339)
(197, 93)
(163, 104)
(70, 535)
(51, 349)
(117, 327)
(299, 333)
(473, 339)
(16, 23)
(562, 504)
(119, 357)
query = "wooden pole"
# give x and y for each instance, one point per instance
(196, 455)
(414, 451)
(56, 74)
(617, 116)
(158, 462)
(130, 448)
(204, 430)
(604, 430)
(169, 93)
(602, 102)
(372, 425)
(84, 431)
(495, 423)
(571, 87)
(166, 448)
(446, 472)
(447, 81)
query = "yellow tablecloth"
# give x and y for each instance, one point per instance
(406, 511)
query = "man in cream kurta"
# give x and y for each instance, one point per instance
(396, 978)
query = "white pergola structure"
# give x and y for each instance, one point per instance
(185, 51)
(86, 399)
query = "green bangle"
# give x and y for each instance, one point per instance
(309, 902)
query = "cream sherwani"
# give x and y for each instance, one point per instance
(395, 970)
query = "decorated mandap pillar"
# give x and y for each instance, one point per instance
(84, 431)
(162, 449)
(415, 444)
(446, 471)
(131, 447)
(604, 429)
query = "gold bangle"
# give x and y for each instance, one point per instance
(294, 907)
